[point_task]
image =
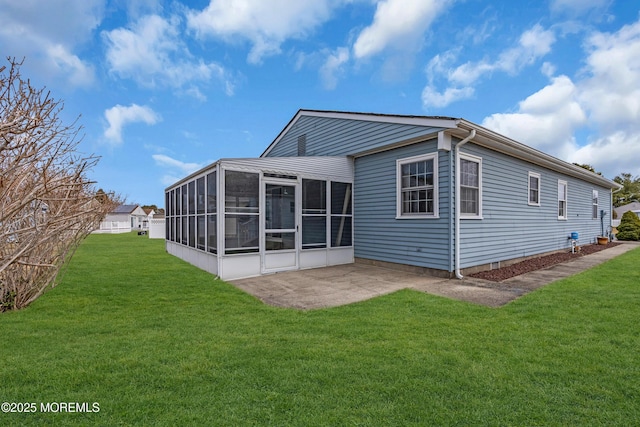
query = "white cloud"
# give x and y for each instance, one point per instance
(169, 179)
(577, 6)
(612, 154)
(333, 67)
(46, 34)
(611, 89)
(265, 24)
(398, 24)
(604, 100)
(153, 54)
(177, 168)
(118, 116)
(62, 62)
(431, 98)
(532, 45)
(545, 120)
(166, 161)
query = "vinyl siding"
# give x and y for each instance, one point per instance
(510, 228)
(378, 235)
(339, 137)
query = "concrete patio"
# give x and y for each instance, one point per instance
(346, 284)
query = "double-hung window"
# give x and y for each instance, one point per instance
(595, 204)
(470, 175)
(562, 199)
(417, 184)
(534, 189)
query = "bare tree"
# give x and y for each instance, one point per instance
(47, 203)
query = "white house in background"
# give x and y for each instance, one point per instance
(124, 219)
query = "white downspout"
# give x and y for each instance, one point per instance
(611, 211)
(456, 243)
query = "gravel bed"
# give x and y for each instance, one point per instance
(538, 263)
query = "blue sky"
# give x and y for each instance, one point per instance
(164, 88)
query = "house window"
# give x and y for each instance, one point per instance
(417, 183)
(314, 214)
(534, 189)
(241, 221)
(595, 204)
(470, 175)
(341, 214)
(562, 199)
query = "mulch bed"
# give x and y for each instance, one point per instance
(538, 263)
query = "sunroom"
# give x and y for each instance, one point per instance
(245, 217)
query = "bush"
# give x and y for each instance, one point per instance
(629, 228)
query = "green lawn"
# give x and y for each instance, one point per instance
(155, 341)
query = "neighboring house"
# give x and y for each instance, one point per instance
(123, 219)
(633, 207)
(439, 194)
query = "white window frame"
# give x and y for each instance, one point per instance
(533, 175)
(565, 200)
(594, 203)
(478, 160)
(415, 159)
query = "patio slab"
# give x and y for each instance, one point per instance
(349, 283)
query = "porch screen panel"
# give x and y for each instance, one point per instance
(167, 222)
(185, 231)
(212, 193)
(241, 205)
(200, 196)
(192, 198)
(212, 234)
(314, 214)
(212, 218)
(341, 214)
(200, 227)
(185, 199)
(177, 202)
(192, 231)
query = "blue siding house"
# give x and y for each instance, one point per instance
(435, 194)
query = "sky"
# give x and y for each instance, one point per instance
(163, 89)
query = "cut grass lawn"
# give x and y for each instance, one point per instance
(156, 341)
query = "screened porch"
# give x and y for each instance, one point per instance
(246, 217)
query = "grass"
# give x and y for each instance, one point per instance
(156, 341)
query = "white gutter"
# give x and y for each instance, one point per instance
(456, 243)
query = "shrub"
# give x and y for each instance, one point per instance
(629, 228)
